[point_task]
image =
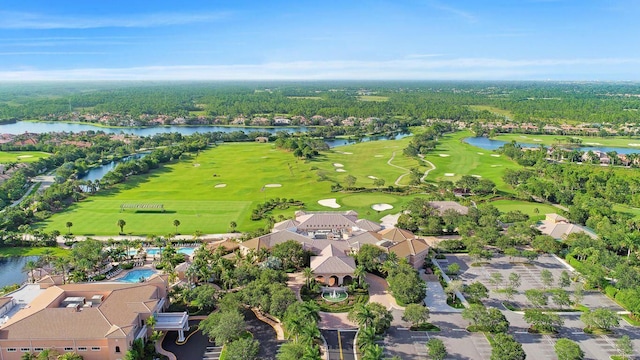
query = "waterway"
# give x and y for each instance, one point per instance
(489, 144)
(11, 269)
(98, 172)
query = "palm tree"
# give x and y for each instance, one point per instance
(373, 352)
(233, 225)
(60, 264)
(294, 326)
(176, 223)
(308, 275)
(121, 223)
(362, 315)
(310, 310)
(360, 273)
(69, 356)
(30, 267)
(69, 224)
(367, 337)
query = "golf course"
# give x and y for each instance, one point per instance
(208, 191)
(225, 183)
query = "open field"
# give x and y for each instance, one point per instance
(21, 156)
(189, 193)
(454, 158)
(626, 142)
(492, 109)
(526, 207)
(373, 98)
(32, 251)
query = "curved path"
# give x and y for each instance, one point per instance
(408, 171)
(433, 167)
(397, 183)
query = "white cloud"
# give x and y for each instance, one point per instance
(24, 20)
(455, 11)
(409, 69)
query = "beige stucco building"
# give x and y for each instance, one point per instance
(98, 321)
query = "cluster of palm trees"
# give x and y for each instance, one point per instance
(51, 354)
(301, 324)
(373, 319)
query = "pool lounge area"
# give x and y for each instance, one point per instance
(183, 250)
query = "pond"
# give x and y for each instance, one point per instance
(99, 172)
(490, 144)
(11, 269)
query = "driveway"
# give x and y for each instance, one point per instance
(436, 299)
(379, 292)
(339, 344)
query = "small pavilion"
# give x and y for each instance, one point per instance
(333, 267)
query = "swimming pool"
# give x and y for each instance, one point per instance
(184, 250)
(187, 250)
(134, 276)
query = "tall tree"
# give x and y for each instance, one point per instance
(121, 224)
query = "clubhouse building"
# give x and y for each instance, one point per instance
(333, 236)
(95, 320)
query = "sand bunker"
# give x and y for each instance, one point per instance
(444, 155)
(592, 143)
(476, 176)
(196, 165)
(495, 155)
(480, 153)
(537, 139)
(338, 165)
(341, 170)
(449, 174)
(632, 144)
(381, 207)
(344, 152)
(331, 203)
(273, 185)
(372, 177)
(220, 185)
(378, 155)
(28, 156)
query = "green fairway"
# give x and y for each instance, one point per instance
(454, 158)
(21, 156)
(526, 207)
(32, 251)
(188, 191)
(626, 142)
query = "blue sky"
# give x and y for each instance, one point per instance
(320, 40)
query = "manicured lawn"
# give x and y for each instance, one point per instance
(524, 206)
(22, 156)
(454, 157)
(32, 251)
(586, 140)
(187, 189)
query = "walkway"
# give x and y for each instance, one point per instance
(433, 167)
(436, 299)
(397, 183)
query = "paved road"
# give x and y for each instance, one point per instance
(339, 344)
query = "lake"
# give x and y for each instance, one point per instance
(21, 127)
(489, 144)
(11, 269)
